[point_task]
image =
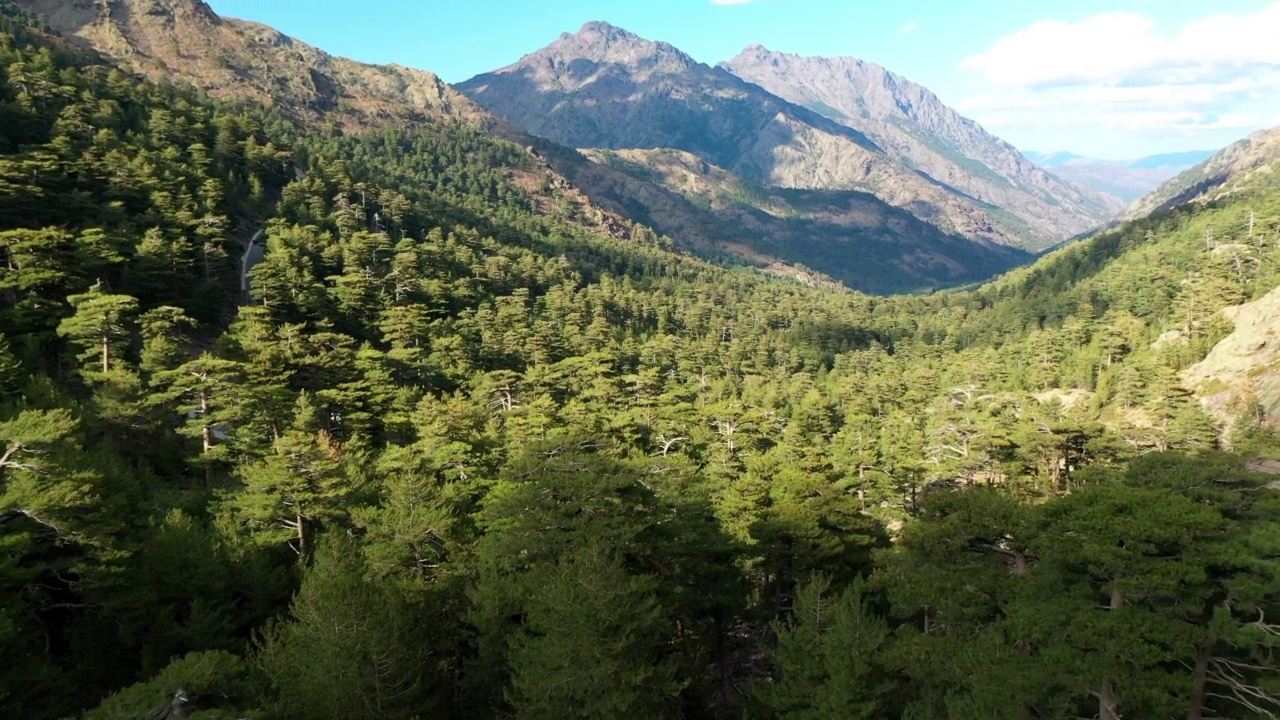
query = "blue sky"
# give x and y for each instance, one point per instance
(1112, 79)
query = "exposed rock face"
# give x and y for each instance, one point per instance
(914, 127)
(1236, 164)
(185, 40)
(604, 87)
(1245, 364)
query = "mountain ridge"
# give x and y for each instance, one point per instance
(244, 60)
(1259, 152)
(913, 125)
(604, 87)
(1125, 179)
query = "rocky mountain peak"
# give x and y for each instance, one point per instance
(919, 130)
(599, 31)
(601, 43)
(169, 10)
(786, 121)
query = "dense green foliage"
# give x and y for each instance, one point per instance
(454, 456)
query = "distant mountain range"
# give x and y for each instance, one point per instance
(782, 121)
(1127, 180)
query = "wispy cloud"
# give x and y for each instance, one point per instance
(1120, 72)
(908, 28)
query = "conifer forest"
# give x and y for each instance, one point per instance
(299, 420)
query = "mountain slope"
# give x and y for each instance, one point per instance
(605, 87)
(166, 40)
(913, 126)
(1233, 165)
(851, 236)
(184, 41)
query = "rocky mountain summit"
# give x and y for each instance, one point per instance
(604, 87)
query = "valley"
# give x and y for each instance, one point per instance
(610, 384)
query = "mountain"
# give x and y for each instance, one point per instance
(1126, 180)
(604, 87)
(915, 128)
(185, 41)
(1049, 160)
(1234, 164)
(1180, 160)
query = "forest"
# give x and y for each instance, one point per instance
(447, 452)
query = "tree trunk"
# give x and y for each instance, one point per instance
(302, 531)
(1107, 696)
(1201, 678)
(722, 657)
(206, 438)
(106, 354)
(1107, 702)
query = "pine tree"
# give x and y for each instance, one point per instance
(101, 326)
(828, 657)
(204, 391)
(302, 484)
(591, 644)
(352, 648)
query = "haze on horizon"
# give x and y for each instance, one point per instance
(1109, 80)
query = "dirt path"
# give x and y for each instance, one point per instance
(253, 254)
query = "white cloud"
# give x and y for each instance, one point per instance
(908, 28)
(1122, 48)
(1122, 78)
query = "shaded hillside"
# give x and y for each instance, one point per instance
(849, 235)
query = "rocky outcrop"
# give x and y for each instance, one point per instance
(1245, 364)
